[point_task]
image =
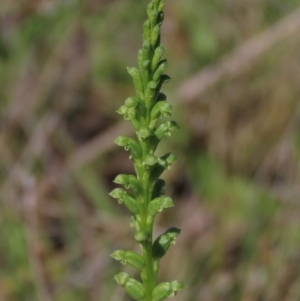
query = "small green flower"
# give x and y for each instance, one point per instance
(164, 241)
(134, 288)
(130, 258)
(159, 204)
(166, 290)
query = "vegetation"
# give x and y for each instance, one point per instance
(147, 197)
(236, 184)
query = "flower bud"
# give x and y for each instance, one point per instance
(151, 89)
(129, 144)
(159, 204)
(158, 53)
(161, 5)
(177, 286)
(137, 80)
(144, 69)
(155, 35)
(130, 114)
(134, 148)
(134, 223)
(131, 102)
(122, 278)
(156, 3)
(162, 291)
(166, 129)
(150, 8)
(166, 289)
(153, 17)
(122, 141)
(140, 58)
(161, 108)
(144, 132)
(130, 258)
(152, 85)
(124, 197)
(167, 160)
(150, 160)
(130, 182)
(117, 193)
(146, 50)
(130, 203)
(159, 70)
(122, 110)
(163, 163)
(164, 241)
(152, 14)
(146, 31)
(133, 288)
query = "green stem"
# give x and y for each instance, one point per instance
(149, 280)
(148, 275)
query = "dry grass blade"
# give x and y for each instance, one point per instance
(241, 59)
(33, 246)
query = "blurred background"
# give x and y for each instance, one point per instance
(235, 89)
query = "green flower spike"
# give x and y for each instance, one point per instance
(144, 192)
